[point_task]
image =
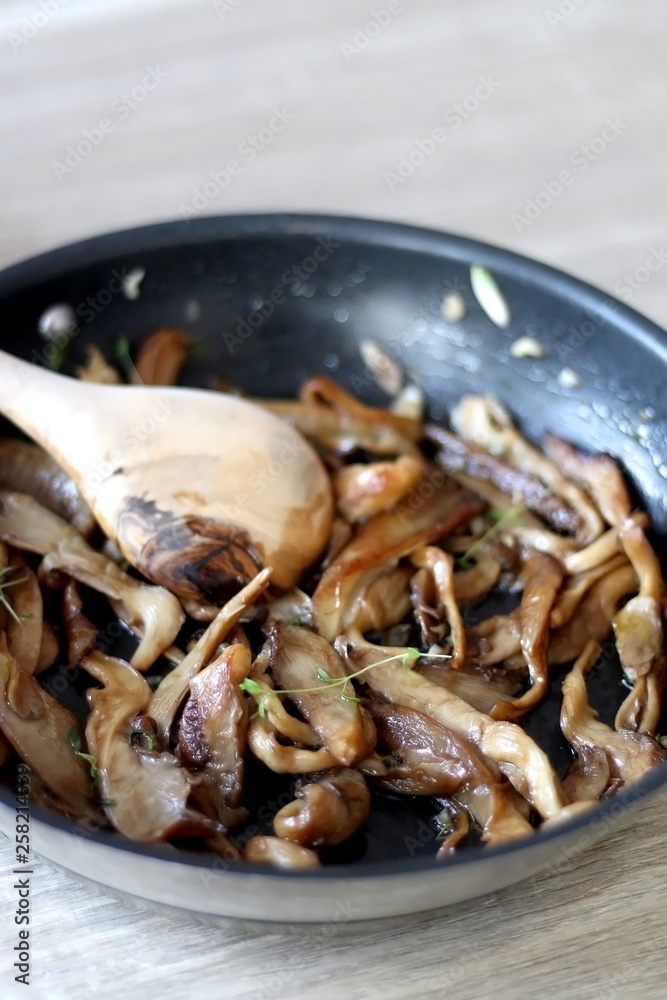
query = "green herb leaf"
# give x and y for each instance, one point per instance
(510, 516)
(141, 739)
(74, 739)
(5, 585)
(410, 655)
(124, 359)
(261, 708)
(251, 687)
(351, 698)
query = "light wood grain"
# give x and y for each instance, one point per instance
(597, 929)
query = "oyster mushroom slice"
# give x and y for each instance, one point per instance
(25, 627)
(484, 422)
(629, 755)
(283, 759)
(26, 468)
(162, 355)
(145, 790)
(297, 658)
(516, 754)
(481, 689)
(362, 490)
(80, 633)
(471, 586)
(640, 639)
(379, 543)
(542, 576)
(431, 760)
(603, 548)
(213, 731)
(440, 565)
(577, 586)
(473, 466)
(151, 612)
(39, 728)
(173, 688)
(263, 850)
(327, 811)
(593, 616)
(598, 474)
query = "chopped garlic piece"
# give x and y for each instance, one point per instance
(132, 281)
(385, 371)
(527, 347)
(453, 307)
(568, 379)
(409, 403)
(57, 321)
(489, 296)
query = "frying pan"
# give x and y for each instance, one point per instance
(274, 299)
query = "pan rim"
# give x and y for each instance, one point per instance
(53, 263)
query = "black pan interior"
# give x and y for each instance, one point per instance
(273, 300)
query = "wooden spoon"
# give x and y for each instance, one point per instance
(199, 490)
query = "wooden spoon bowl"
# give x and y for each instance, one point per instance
(198, 489)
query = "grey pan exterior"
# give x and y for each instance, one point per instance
(625, 359)
(333, 896)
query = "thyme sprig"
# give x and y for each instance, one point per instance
(4, 585)
(124, 359)
(501, 518)
(261, 693)
(74, 740)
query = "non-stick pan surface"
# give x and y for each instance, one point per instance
(272, 300)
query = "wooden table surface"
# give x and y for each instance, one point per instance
(551, 142)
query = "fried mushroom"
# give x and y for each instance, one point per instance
(39, 728)
(516, 754)
(153, 613)
(379, 543)
(307, 667)
(628, 755)
(362, 490)
(174, 686)
(213, 733)
(26, 468)
(325, 812)
(145, 791)
(484, 422)
(640, 639)
(264, 850)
